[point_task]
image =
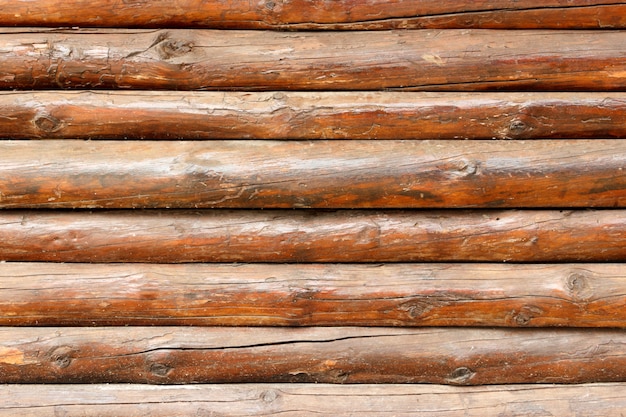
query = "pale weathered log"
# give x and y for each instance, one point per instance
(317, 14)
(319, 174)
(251, 60)
(302, 115)
(295, 400)
(166, 355)
(310, 236)
(578, 295)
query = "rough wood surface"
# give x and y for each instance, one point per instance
(294, 400)
(457, 356)
(319, 174)
(309, 236)
(578, 295)
(317, 14)
(301, 115)
(250, 60)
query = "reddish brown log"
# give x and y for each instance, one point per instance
(581, 295)
(297, 115)
(320, 174)
(297, 400)
(166, 355)
(251, 60)
(297, 236)
(317, 14)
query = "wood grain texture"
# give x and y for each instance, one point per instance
(167, 355)
(457, 60)
(319, 174)
(578, 295)
(308, 236)
(294, 400)
(302, 115)
(317, 14)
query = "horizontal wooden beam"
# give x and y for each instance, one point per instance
(578, 295)
(167, 355)
(302, 115)
(317, 14)
(295, 400)
(456, 60)
(305, 236)
(319, 174)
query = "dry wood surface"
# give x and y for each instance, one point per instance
(310, 115)
(295, 400)
(317, 14)
(578, 295)
(317, 174)
(449, 60)
(311, 236)
(167, 355)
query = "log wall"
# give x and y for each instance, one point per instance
(313, 208)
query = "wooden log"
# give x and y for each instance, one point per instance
(317, 14)
(305, 236)
(578, 295)
(168, 355)
(302, 115)
(320, 174)
(295, 400)
(457, 60)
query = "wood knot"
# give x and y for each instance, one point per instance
(48, 123)
(469, 168)
(416, 308)
(461, 375)
(269, 396)
(61, 357)
(577, 283)
(517, 127)
(171, 48)
(526, 315)
(160, 369)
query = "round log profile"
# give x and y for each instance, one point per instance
(318, 14)
(310, 115)
(429, 60)
(575, 295)
(177, 355)
(311, 400)
(316, 174)
(314, 236)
